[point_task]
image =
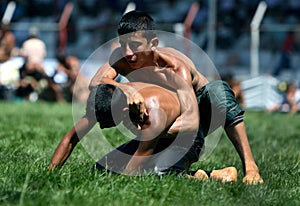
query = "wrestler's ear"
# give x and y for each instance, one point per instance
(154, 43)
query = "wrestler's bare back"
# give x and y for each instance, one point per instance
(160, 98)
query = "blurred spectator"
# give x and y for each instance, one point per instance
(7, 43)
(32, 74)
(34, 51)
(7, 70)
(76, 87)
(290, 101)
(34, 82)
(34, 85)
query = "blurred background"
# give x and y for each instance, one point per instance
(261, 63)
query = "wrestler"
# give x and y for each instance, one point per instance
(140, 59)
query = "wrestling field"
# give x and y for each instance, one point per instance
(30, 132)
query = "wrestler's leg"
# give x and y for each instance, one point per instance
(178, 158)
(212, 106)
(220, 96)
(117, 159)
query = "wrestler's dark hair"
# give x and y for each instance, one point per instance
(102, 99)
(134, 21)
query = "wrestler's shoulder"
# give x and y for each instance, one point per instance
(172, 53)
(168, 50)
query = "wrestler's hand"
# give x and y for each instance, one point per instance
(252, 178)
(137, 109)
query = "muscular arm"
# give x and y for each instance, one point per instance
(189, 118)
(149, 137)
(105, 74)
(69, 141)
(179, 78)
(83, 126)
(239, 139)
(110, 70)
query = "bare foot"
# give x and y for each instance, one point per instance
(253, 178)
(199, 175)
(228, 174)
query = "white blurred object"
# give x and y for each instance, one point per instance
(260, 92)
(9, 71)
(130, 7)
(255, 24)
(9, 11)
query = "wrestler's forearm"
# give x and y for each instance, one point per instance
(69, 141)
(64, 149)
(104, 80)
(128, 90)
(181, 82)
(188, 121)
(104, 74)
(239, 139)
(241, 144)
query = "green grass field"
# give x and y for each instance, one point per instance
(30, 132)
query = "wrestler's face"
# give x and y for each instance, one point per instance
(137, 50)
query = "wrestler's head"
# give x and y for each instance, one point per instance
(102, 100)
(134, 21)
(137, 38)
